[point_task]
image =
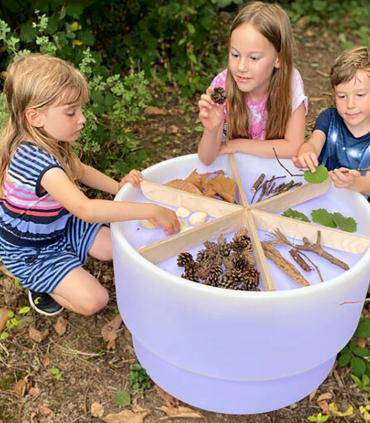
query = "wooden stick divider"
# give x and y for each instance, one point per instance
(183, 241)
(194, 202)
(236, 176)
(330, 237)
(291, 198)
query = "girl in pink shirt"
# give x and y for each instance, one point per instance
(264, 92)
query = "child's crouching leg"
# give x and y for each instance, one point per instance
(102, 245)
(80, 292)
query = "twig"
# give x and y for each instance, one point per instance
(287, 267)
(296, 255)
(314, 248)
(314, 265)
(286, 169)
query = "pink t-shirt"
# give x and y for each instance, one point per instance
(257, 109)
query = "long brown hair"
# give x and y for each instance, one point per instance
(273, 23)
(37, 82)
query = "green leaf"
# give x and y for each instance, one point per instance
(363, 328)
(24, 310)
(294, 214)
(320, 175)
(361, 352)
(323, 217)
(122, 398)
(345, 358)
(347, 224)
(3, 336)
(358, 366)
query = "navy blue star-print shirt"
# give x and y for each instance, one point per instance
(341, 147)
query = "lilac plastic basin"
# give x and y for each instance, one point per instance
(232, 351)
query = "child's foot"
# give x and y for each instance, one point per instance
(43, 303)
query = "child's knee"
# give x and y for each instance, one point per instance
(95, 303)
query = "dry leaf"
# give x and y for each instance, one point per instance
(97, 410)
(36, 335)
(109, 331)
(152, 110)
(61, 325)
(324, 406)
(180, 412)
(45, 411)
(184, 186)
(168, 399)
(3, 318)
(335, 410)
(34, 392)
(125, 416)
(325, 396)
(20, 387)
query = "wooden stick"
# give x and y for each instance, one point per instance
(194, 202)
(236, 176)
(183, 241)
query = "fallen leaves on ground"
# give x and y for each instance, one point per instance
(168, 399)
(97, 410)
(109, 331)
(4, 317)
(153, 110)
(180, 412)
(125, 416)
(61, 326)
(20, 388)
(37, 335)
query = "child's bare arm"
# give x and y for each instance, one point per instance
(212, 117)
(59, 186)
(93, 178)
(285, 147)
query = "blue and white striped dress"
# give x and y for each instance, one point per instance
(40, 241)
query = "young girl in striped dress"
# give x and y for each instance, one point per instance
(47, 224)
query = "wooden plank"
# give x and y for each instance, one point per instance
(193, 202)
(183, 241)
(236, 176)
(292, 197)
(330, 237)
(259, 255)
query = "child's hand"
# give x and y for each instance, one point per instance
(134, 177)
(166, 218)
(343, 178)
(306, 160)
(211, 114)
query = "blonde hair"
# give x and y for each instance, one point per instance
(348, 63)
(273, 23)
(38, 82)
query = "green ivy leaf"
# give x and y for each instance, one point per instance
(358, 366)
(363, 328)
(345, 358)
(320, 175)
(323, 217)
(347, 224)
(294, 214)
(122, 398)
(361, 351)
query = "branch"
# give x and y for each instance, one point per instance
(286, 169)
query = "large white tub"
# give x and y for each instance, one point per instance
(232, 351)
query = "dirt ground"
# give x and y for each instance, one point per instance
(91, 366)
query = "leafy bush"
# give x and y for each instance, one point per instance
(117, 103)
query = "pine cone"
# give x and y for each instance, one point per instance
(224, 249)
(240, 242)
(239, 262)
(184, 258)
(190, 273)
(251, 279)
(202, 270)
(218, 95)
(214, 275)
(203, 256)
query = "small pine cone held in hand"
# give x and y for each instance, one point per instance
(218, 95)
